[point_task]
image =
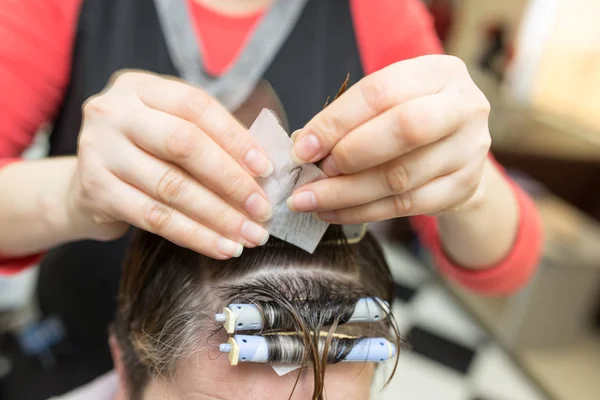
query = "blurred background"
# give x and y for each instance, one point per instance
(537, 61)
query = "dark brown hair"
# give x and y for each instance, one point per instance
(169, 295)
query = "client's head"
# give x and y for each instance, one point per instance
(165, 339)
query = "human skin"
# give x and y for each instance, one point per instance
(203, 379)
(206, 375)
(412, 139)
(153, 152)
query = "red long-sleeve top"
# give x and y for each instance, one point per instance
(36, 40)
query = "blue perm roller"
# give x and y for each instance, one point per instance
(249, 317)
(240, 317)
(370, 309)
(289, 349)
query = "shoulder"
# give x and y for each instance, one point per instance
(388, 31)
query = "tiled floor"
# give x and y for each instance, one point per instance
(449, 356)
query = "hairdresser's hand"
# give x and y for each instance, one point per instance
(166, 157)
(410, 139)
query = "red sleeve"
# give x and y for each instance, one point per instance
(388, 31)
(35, 58)
(510, 274)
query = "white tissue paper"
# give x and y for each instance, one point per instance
(298, 228)
(282, 369)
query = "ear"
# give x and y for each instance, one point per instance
(117, 356)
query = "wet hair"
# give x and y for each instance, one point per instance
(288, 349)
(169, 295)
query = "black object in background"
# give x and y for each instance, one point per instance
(5, 367)
(440, 350)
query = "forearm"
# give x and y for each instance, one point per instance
(34, 215)
(482, 234)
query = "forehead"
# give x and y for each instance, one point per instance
(206, 377)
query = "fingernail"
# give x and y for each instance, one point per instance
(295, 133)
(258, 163)
(229, 247)
(306, 149)
(254, 233)
(303, 201)
(326, 216)
(258, 208)
(329, 167)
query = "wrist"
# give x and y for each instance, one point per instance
(79, 222)
(60, 214)
(481, 232)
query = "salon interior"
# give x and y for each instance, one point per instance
(537, 61)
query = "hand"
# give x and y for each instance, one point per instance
(166, 157)
(410, 139)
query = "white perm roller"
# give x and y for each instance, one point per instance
(247, 317)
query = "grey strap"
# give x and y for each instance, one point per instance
(235, 86)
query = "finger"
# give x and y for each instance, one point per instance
(439, 194)
(406, 127)
(144, 212)
(173, 187)
(371, 96)
(397, 176)
(194, 105)
(176, 140)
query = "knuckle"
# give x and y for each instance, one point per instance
(90, 185)
(127, 77)
(343, 159)
(171, 185)
(485, 142)
(472, 182)
(85, 143)
(468, 182)
(194, 104)
(328, 126)
(396, 179)
(182, 141)
(455, 64)
(228, 222)
(405, 131)
(91, 188)
(193, 237)
(235, 186)
(401, 204)
(375, 92)
(478, 103)
(229, 137)
(157, 216)
(122, 77)
(96, 106)
(484, 108)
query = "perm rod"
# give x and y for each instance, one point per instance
(255, 348)
(247, 317)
